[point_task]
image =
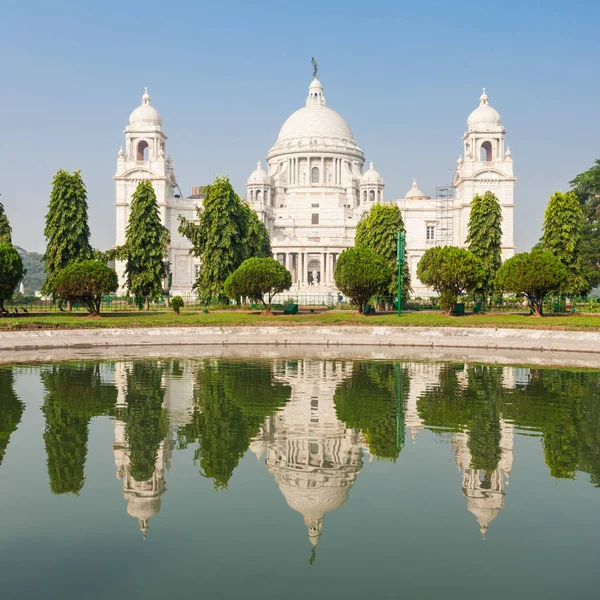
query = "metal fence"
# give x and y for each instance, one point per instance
(329, 301)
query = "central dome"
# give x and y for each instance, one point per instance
(315, 120)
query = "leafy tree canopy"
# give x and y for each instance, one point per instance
(533, 275)
(378, 231)
(5, 228)
(228, 232)
(67, 231)
(146, 245)
(86, 282)
(259, 278)
(450, 271)
(563, 236)
(11, 409)
(11, 271)
(360, 274)
(485, 238)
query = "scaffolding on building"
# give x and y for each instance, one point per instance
(444, 214)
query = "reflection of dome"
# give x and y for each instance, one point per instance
(259, 175)
(414, 192)
(484, 115)
(145, 115)
(143, 508)
(372, 176)
(484, 510)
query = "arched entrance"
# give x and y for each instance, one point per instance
(314, 271)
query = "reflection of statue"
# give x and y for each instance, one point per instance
(315, 65)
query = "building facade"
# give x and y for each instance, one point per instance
(315, 189)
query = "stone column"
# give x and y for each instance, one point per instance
(288, 261)
(305, 269)
(330, 267)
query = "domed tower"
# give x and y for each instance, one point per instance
(259, 194)
(315, 174)
(486, 166)
(144, 158)
(371, 187)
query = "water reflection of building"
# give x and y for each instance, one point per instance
(144, 497)
(485, 490)
(422, 377)
(313, 456)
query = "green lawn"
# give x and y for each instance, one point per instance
(232, 318)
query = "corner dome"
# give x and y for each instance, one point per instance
(258, 175)
(484, 114)
(372, 176)
(414, 192)
(145, 115)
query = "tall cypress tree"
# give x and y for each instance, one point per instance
(224, 237)
(485, 237)
(11, 409)
(5, 228)
(378, 231)
(146, 245)
(67, 231)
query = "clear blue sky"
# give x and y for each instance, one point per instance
(225, 75)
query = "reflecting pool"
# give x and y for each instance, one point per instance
(299, 478)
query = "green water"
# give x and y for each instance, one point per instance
(298, 479)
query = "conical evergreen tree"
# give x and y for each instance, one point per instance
(378, 231)
(67, 231)
(146, 245)
(485, 237)
(220, 239)
(5, 228)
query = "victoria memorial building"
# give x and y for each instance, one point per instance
(315, 188)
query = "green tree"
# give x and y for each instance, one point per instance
(258, 278)
(587, 187)
(73, 394)
(5, 228)
(450, 271)
(67, 231)
(373, 401)
(33, 266)
(533, 275)
(563, 236)
(378, 231)
(11, 409)
(146, 423)
(231, 403)
(86, 282)
(485, 238)
(11, 271)
(226, 234)
(146, 245)
(177, 304)
(360, 274)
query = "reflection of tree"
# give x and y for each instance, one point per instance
(11, 409)
(145, 418)
(73, 395)
(564, 406)
(372, 400)
(231, 403)
(468, 400)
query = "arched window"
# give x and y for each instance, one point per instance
(142, 150)
(314, 175)
(258, 196)
(251, 195)
(372, 196)
(486, 152)
(365, 195)
(378, 196)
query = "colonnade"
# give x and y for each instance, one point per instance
(300, 263)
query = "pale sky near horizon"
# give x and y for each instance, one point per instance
(225, 76)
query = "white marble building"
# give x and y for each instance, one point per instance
(315, 190)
